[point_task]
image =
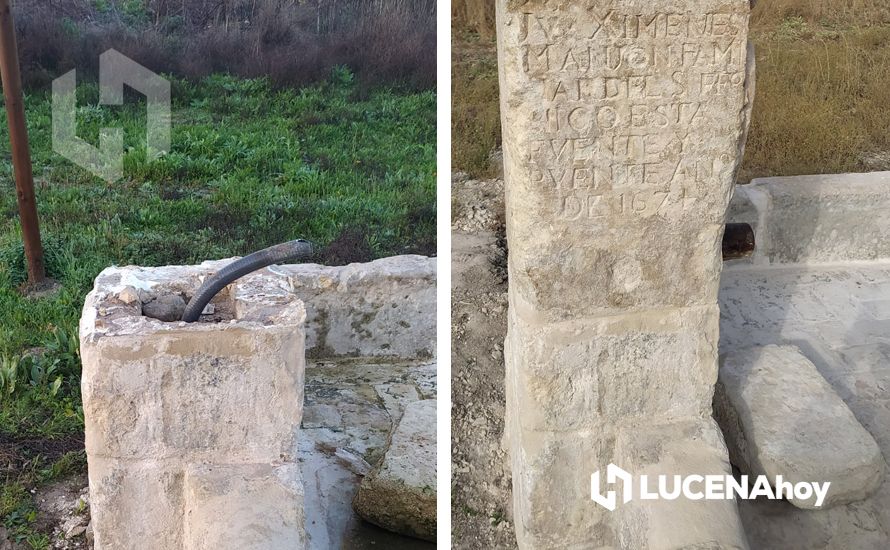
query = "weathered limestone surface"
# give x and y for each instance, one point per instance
(818, 219)
(171, 409)
(244, 506)
(680, 448)
(623, 126)
(781, 417)
(400, 495)
(838, 315)
(377, 309)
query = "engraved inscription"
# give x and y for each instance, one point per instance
(624, 104)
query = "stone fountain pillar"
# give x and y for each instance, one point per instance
(623, 127)
(191, 428)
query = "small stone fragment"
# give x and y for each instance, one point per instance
(356, 464)
(75, 532)
(128, 295)
(4, 539)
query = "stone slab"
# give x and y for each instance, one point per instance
(349, 417)
(826, 311)
(384, 308)
(400, 495)
(817, 219)
(781, 417)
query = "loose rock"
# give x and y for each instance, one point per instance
(128, 295)
(167, 308)
(781, 417)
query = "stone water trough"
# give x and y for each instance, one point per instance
(804, 384)
(303, 394)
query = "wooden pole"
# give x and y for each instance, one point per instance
(21, 153)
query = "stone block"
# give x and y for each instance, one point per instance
(552, 507)
(214, 398)
(136, 503)
(573, 375)
(193, 393)
(385, 308)
(781, 417)
(244, 506)
(623, 126)
(400, 495)
(691, 447)
(818, 219)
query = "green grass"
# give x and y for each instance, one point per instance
(250, 166)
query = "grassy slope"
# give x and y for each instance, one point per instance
(821, 101)
(250, 167)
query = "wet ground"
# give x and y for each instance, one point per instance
(351, 407)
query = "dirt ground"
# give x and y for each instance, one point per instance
(481, 494)
(64, 512)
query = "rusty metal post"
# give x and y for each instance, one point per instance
(18, 137)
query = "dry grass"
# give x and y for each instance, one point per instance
(821, 104)
(475, 114)
(822, 92)
(477, 15)
(840, 13)
(292, 42)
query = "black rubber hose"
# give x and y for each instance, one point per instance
(285, 252)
